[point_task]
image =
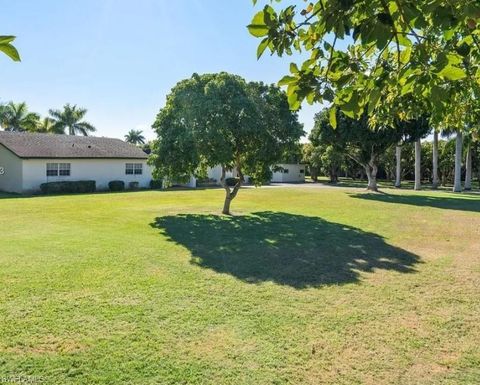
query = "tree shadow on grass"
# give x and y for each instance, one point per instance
(287, 249)
(465, 202)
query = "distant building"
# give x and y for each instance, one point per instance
(29, 159)
(289, 173)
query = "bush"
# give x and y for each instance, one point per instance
(156, 184)
(231, 182)
(116, 185)
(68, 187)
(133, 185)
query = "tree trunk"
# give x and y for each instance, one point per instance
(371, 171)
(230, 194)
(314, 173)
(418, 164)
(398, 172)
(435, 179)
(226, 205)
(457, 186)
(468, 169)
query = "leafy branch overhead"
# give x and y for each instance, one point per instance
(7, 47)
(390, 58)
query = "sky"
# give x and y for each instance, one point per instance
(120, 58)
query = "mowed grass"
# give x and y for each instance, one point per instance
(301, 286)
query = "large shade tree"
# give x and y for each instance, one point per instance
(220, 119)
(366, 56)
(365, 51)
(70, 120)
(17, 117)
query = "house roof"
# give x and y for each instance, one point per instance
(35, 145)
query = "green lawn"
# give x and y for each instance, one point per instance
(301, 286)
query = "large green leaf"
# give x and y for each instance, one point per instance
(452, 73)
(9, 50)
(258, 28)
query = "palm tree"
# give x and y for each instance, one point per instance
(70, 119)
(418, 164)
(457, 186)
(135, 137)
(47, 125)
(435, 179)
(15, 117)
(398, 166)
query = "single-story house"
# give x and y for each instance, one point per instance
(29, 159)
(289, 173)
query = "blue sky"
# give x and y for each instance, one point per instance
(120, 58)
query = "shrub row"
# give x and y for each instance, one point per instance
(88, 186)
(65, 187)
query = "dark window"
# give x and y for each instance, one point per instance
(285, 170)
(302, 171)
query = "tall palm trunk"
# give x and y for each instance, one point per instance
(398, 171)
(418, 164)
(468, 169)
(435, 181)
(457, 186)
(371, 170)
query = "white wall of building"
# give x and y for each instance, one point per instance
(10, 171)
(290, 173)
(100, 170)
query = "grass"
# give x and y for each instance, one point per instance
(301, 286)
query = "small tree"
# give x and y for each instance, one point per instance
(219, 119)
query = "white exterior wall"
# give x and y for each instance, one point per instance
(10, 171)
(100, 170)
(296, 174)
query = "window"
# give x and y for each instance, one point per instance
(64, 169)
(58, 169)
(138, 169)
(52, 169)
(133, 168)
(285, 170)
(302, 171)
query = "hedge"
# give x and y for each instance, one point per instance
(65, 187)
(116, 185)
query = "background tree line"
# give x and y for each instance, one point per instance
(356, 150)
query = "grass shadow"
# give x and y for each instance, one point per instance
(465, 202)
(294, 250)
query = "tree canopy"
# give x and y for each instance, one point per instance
(416, 57)
(135, 137)
(220, 119)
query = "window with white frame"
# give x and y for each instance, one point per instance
(52, 169)
(58, 169)
(133, 168)
(64, 169)
(138, 169)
